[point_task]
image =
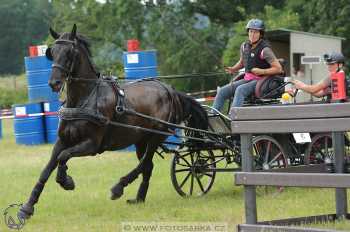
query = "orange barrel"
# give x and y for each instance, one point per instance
(338, 86)
(33, 51)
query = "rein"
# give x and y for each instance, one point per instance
(72, 114)
(94, 116)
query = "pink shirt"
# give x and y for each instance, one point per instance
(251, 76)
(266, 54)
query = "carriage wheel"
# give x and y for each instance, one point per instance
(188, 172)
(319, 149)
(268, 154)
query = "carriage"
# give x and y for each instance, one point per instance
(193, 168)
(101, 115)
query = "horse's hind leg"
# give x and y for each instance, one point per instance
(145, 164)
(142, 192)
(146, 175)
(27, 209)
(85, 148)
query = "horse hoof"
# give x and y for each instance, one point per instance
(68, 183)
(116, 192)
(25, 212)
(135, 201)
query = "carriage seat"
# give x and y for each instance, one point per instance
(268, 88)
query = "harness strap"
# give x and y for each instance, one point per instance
(94, 92)
(118, 91)
(59, 66)
(72, 114)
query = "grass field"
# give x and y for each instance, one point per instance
(13, 82)
(88, 207)
(13, 89)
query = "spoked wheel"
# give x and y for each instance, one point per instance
(268, 154)
(189, 172)
(321, 148)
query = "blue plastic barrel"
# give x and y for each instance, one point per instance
(174, 139)
(51, 120)
(140, 64)
(131, 148)
(29, 124)
(38, 70)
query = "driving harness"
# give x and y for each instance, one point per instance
(93, 114)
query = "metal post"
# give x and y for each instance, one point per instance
(311, 82)
(340, 193)
(249, 190)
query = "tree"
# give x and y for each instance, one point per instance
(227, 12)
(183, 45)
(273, 18)
(186, 43)
(325, 17)
(23, 23)
(107, 25)
(190, 36)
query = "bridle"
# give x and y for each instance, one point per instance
(74, 51)
(69, 69)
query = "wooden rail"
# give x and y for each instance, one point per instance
(333, 118)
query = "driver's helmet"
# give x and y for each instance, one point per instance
(256, 24)
(334, 57)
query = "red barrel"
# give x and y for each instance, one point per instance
(33, 51)
(338, 86)
(133, 45)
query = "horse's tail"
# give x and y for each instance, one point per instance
(193, 113)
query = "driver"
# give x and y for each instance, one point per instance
(258, 60)
(335, 63)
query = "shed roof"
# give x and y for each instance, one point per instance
(283, 34)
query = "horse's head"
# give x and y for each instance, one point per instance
(65, 54)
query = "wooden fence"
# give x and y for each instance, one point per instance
(247, 121)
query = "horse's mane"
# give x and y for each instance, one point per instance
(82, 40)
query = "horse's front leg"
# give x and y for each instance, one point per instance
(27, 209)
(84, 148)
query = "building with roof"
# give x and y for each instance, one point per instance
(293, 45)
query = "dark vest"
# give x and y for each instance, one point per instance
(251, 57)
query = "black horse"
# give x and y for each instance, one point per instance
(86, 120)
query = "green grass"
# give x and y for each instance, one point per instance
(88, 207)
(13, 90)
(13, 81)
